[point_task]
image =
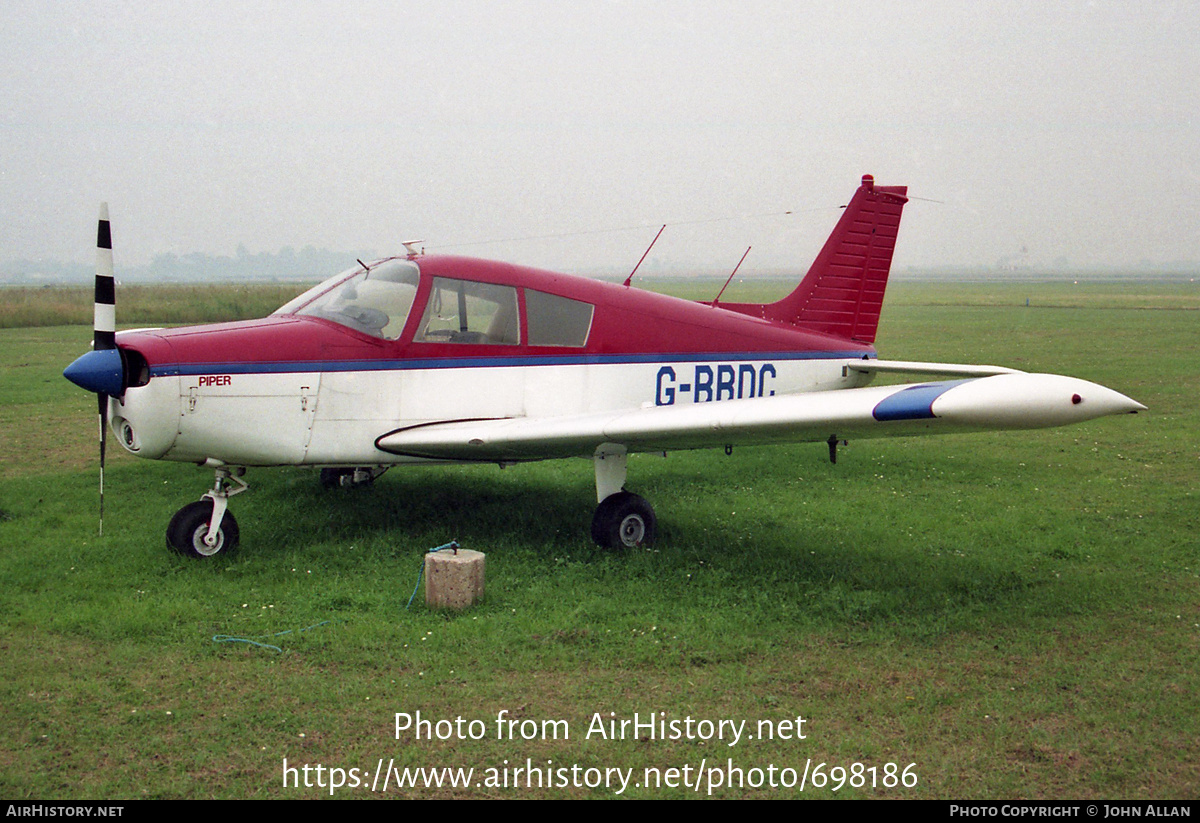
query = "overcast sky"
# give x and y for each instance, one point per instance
(1048, 129)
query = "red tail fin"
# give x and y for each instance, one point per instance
(842, 294)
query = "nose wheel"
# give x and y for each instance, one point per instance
(206, 528)
(190, 528)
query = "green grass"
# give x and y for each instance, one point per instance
(1015, 613)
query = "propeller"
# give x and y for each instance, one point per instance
(101, 370)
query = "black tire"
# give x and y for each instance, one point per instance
(189, 526)
(624, 521)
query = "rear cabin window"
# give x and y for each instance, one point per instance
(463, 311)
(556, 321)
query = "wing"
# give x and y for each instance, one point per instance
(1005, 401)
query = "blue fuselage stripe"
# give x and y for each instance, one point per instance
(285, 367)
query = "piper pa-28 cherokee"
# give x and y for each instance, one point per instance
(432, 358)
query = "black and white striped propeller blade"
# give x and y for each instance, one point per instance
(104, 325)
(101, 370)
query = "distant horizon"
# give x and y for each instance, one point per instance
(310, 265)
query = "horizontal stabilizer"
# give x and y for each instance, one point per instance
(915, 367)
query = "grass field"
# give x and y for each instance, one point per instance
(1013, 614)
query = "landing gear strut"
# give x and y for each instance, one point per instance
(623, 520)
(205, 528)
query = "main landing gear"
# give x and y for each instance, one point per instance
(205, 528)
(623, 520)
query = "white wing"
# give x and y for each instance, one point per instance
(1006, 401)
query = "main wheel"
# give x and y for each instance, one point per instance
(189, 526)
(624, 521)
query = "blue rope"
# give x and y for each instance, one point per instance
(227, 638)
(453, 544)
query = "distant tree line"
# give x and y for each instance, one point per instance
(286, 264)
(311, 264)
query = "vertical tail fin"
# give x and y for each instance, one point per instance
(842, 294)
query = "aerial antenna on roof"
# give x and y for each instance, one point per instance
(731, 274)
(652, 242)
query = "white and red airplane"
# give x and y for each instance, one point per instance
(418, 359)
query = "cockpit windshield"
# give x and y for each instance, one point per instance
(375, 301)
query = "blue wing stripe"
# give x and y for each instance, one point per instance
(913, 403)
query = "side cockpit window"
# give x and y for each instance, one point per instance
(557, 321)
(375, 301)
(463, 311)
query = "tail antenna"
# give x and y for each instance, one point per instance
(731, 274)
(629, 279)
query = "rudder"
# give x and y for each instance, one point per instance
(842, 293)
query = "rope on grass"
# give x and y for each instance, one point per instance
(452, 545)
(227, 638)
(254, 641)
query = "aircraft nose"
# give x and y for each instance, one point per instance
(101, 371)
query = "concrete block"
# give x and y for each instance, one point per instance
(453, 581)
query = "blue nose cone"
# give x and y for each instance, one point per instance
(99, 371)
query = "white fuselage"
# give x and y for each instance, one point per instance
(333, 418)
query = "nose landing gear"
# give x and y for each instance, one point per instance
(205, 528)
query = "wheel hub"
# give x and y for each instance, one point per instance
(200, 541)
(633, 530)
